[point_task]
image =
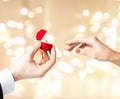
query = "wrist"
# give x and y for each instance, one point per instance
(114, 57)
(14, 74)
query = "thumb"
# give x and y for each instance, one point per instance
(34, 49)
(81, 51)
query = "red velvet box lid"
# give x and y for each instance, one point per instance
(44, 45)
(40, 34)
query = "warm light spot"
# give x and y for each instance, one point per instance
(24, 11)
(57, 74)
(86, 12)
(76, 62)
(59, 53)
(19, 41)
(8, 43)
(64, 67)
(95, 27)
(31, 14)
(114, 72)
(115, 22)
(11, 24)
(19, 25)
(50, 38)
(97, 16)
(66, 52)
(81, 28)
(2, 27)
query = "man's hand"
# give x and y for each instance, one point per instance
(26, 67)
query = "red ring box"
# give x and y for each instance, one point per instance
(44, 45)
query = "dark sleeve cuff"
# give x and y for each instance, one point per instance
(1, 93)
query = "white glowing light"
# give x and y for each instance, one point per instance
(29, 48)
(111, 41)
(30, 29)
(19, 41)
(115, 22)
(2, 27)
(11, 24)
(86, 12)
(76, 62)
(92, 62)
(97, 16)
(82, 74)
(111, 32)
(31, 14)
(8, 43)
(80, 35)
(24, 11)
(95, 27)
(106, 31)
(66, 52)
(59, 53)
(57, 74)
(19, 25)
(50, 38)
(114, 72)
(82, 28)
(105, 66)
(64, 67)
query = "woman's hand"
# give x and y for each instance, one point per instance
(94, 48)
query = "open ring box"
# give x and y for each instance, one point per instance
(44, 45)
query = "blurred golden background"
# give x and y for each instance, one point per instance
(73, 76)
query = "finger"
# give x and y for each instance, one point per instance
(34, 49)
(71, 47)
(51, 61)
(84, 45)
(83, 51)
(80, 51)
(45, 57)
(79, 40)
